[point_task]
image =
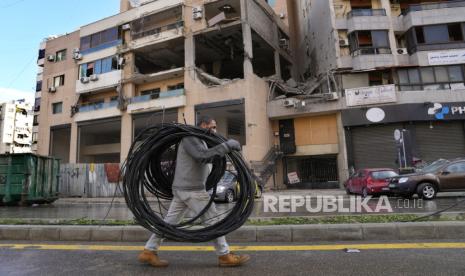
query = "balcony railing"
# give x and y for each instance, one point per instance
(97, 106)
(366, 12)
(161, 95)
(433, 6)
(371, 51)
(157, 30)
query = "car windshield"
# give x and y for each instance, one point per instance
(228, 177)
(383, 174)
(435, 166)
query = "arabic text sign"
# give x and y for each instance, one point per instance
(371, 95)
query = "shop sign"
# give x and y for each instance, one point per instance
(446, 57)
(293, 178)
(371, 95)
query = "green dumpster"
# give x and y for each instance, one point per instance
(28, 178)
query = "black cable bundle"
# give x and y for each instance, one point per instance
(150, 167)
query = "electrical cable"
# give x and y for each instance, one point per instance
(150, 167)
(437, 212)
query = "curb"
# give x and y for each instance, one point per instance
(278, 233)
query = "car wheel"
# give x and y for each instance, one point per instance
(259, 192)
(364, 192)
(229, 197)
(426, 191)
(348, 191)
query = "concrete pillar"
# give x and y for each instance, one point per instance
(386, 4)
(129, 90)
(189, 50)
(277, 64)
(247, 37)
(342, 164)
(73, 144)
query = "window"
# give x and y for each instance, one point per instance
(38, 86)
(434, 34)
(59, 81)
(34, 137)
(57, 108)
(100, 38)
(60, 55)
(37, 104)
(431, 78)
(455, 32)
(41, 54)
(100, 66)
(369, 42)
(456, 168)
(176, 87)
(35, 121)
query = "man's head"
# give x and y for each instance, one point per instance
(207, 122)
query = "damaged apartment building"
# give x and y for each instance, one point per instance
(165, 61)
(372, 67)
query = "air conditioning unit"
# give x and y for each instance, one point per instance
(290, 102)
(85, 80)
(76, 50)
(77, 56)
(51, 58)
(284, 43)
(94, 77)
(402, 51)
(197, 13)
(333, 96)
(52, 89)
(343, 42)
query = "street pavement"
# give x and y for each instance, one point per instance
(116, 209)
(386, 258)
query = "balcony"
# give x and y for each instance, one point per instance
(369, 58)
(366, 12)
(97, 111)
(157, 34)
(157, 101)
(367, 19)
(433, 13)
(104, 82)
(433, 6)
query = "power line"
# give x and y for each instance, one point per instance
(20, 73)
(11, 4)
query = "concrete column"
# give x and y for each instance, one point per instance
(247, 37)
(385, 4)
(189, 49)
(342, 164)
(129, 91)
(73, 144)
(277, 64)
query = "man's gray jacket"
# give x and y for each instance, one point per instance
(192, 160)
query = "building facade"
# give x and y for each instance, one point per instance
(371, 67)
(15, 127)
(162, 61)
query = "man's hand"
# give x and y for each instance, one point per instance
(233, 145)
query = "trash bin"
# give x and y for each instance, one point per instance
(28, 178)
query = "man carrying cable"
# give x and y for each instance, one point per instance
(189, 193)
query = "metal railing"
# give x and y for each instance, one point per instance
(371, 51)
(366, 12)
(433, 6)
(157, 30)
(160, 95)
(267, 167)
(97, 106)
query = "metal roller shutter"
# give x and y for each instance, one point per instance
(374, 146)
(444, 140)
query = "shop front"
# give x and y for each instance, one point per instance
(436, 130)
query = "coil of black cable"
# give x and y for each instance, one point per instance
(150, 168)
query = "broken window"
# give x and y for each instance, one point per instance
(176, 87)
(160, 57)
(152, 93)
(286, 68)
(263, 57)
(156, 23)
(60, 55)
(369, 42)
(221, 53)
(59, 81)
(223, 11)
(99, 141)
(435, 34)
(100, 66)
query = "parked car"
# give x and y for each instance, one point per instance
(440, 176)
(228, 188)
(370, 181)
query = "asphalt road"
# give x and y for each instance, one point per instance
(271, 259)
(118, 210)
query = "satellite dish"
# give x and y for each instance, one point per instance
(134, 3)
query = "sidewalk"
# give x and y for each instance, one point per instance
(279, 233)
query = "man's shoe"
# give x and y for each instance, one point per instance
(151, 258)
(233, 259)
